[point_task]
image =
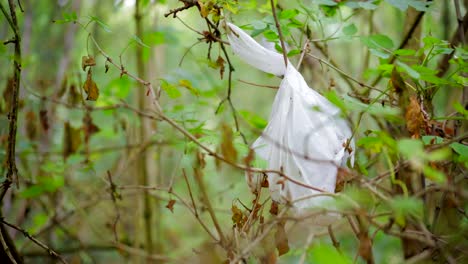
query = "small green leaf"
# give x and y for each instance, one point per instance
(270, 35)
(378, 41)
(460, 109)
(170, 89)
(67, 18)
(406, 207)
(322, 253)
(459, 148)
(32, 191)
(258, 24)
(155, 38)
(294, 52)
(380, 54)
(139, 41)
(411, 148)
(333, 97)
(404, 52)
(288, 13)
(369, 5)
(411, 72)
(432, 140)
(326, 2)
(253, 119)
(350, 30)
(101, 24)
(188, 84)
(434, 175)
(439, 154)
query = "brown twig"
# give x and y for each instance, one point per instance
(347, 76)
(8, 247)
(187, 4)
(336, 243)
(278, 27)
(259, 85)
(50, 251)
(114, 197)
(12, 171)
(190, 193)
(201, 185)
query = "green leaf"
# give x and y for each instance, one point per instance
(45, 184)
(119, 87)
(333, 97)
(404, 52)
(460, 149)
(288, 14)
(270, 35)
(253, 119)
(380, 54)
(428, 140)
(439, 154)
(350, 30)
(155, 38)
(406, 207)
(369, 5)
(258, 24)
(322, 253)
(294, 52)
(411, 148)
(411, 72)
(101, 24)
(372, 143)
(170, 89)
(326, 2)
(67, 18)
(188, 84)
(32, 191)
(400, 4)
(378, 41)
(460, 109)
(434, 175)
(403, 5)
(377, 142)
(139, 41)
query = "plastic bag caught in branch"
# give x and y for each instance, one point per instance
(305, 137)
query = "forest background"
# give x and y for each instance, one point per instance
(125, 129)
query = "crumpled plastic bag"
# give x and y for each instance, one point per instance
(305, 137)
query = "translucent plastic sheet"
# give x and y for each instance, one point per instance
(305, 137)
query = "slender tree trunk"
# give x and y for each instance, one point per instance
(144, 134)
(8, 251)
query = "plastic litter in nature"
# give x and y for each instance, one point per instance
(305, 138)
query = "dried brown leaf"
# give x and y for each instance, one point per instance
(90, 87)
(31, 125)
(342, 177)
(220, 63)
(281, 240)
(274, 208)
(44, 119)
(227, 144)
(87, 61)
(72, 139)
(170, 205)
(238, 217)
(414, 117)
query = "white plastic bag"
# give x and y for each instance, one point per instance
(305, 137)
